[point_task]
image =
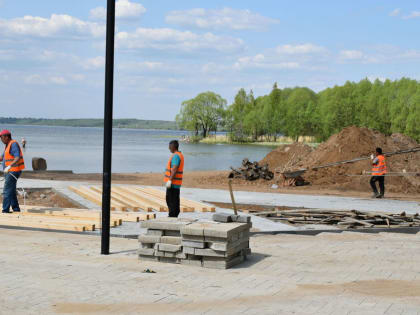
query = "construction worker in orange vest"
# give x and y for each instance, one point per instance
(173, 178)
(378, 173)
(13, 164)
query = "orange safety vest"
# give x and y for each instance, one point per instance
(8, 158)
(177, 180)
(380, 168)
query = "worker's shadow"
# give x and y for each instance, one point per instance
(251, 260)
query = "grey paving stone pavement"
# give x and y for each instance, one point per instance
(348, 273)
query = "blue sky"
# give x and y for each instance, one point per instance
(52, 52)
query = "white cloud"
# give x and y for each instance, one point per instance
(379, 54)
(7, 54)
(57, 26)
(260, 61)
(300, 49)
(395, 12)
(94, 63)
(345, 56)
(45, 79)
(98, 13)
(410, 54)
(124, 9)
(58, 80)
(351, 55)
(143, 65)
(306, 56)
(373, 78)
(34, 79)
(77, 77)
(226, 18)
(412, 15)
(214, 68)
(173, 40)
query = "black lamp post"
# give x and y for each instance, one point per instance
(109, 92)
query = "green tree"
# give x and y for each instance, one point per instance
(204, 113)
(241, 106)
(387, 106)
(301, 105)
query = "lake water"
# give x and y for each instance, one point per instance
(80, 149)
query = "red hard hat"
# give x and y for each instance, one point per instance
(5, 132)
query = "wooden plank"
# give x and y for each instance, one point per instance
(89, 196)
(235, 210)
(115, 204)
(45, 223)
(31, 224)
(162, 197)
(142, 201)
(56, 214)
(92, 213)
(187, 202)
(115, 215)
(159, 204)
(96, 214)
(116, 198)
(145, 194)
(87, 224)
(95, 197)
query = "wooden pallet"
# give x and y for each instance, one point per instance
(134, 198)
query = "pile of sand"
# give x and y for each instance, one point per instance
(286, 156)
(351, 142)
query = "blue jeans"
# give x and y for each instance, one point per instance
(9, 191)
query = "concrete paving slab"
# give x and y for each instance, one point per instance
(56, 273)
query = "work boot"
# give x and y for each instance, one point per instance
(375, 195)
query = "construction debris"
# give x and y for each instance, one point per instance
(251, 171)
(344, 219)
(133, 198)
(204, 244)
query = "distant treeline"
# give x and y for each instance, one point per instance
(118, 123)
(389, 106)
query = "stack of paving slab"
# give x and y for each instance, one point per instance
(220, 244)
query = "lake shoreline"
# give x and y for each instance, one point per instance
(281, 140)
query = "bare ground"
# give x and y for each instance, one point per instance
(219, 180)
(44, 197)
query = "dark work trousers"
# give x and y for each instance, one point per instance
(172, 200)
(381, 180)
(9, 192)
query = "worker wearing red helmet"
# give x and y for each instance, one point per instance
(13, 164)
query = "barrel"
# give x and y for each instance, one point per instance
(39, 164)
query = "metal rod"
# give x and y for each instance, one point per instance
(387, 175)
(107, 157)
(415, 173)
